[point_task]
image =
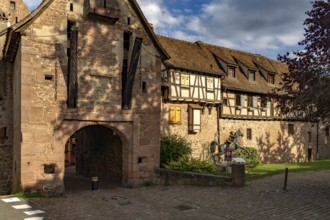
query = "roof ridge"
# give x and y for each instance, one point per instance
(238, 51)
(171, 38)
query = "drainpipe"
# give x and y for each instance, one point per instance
(218, 122)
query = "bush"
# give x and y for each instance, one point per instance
(191, 165)
(252, 159)
(172, 148)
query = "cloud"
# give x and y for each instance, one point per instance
(256, 26)
(32, 4)
(157, 14)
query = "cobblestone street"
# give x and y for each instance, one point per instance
(307, 197)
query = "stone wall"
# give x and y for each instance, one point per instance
(324, 141)
(200, 141)
(20, 11)
(272, 140)
(6, 156)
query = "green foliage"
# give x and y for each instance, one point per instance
(191, 165)
(252, 159)
(172, 148)
(205, 154)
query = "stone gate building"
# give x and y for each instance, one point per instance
(80, 79)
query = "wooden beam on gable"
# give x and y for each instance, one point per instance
(127, 95)
(73, 69)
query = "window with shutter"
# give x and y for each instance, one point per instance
(175, 115)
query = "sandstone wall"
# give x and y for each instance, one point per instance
(13, 15)
(272, 140)
(200, 141)
(324, 141)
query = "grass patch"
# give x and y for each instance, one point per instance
(23, 195)
(273, 169)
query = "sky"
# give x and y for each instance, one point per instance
(267, 27)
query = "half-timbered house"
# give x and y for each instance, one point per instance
(246, 80)
(191, 93)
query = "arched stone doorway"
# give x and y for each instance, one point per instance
(95, 151)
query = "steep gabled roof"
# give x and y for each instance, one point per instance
(189, 56)
(46, 3)
(145, 23)
(243, 60)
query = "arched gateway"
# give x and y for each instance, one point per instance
(95, 151)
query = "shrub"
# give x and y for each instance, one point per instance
(252, 159)
(172, 148)
(191, 165)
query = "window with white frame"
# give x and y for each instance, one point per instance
(210, 84)
(194, 118)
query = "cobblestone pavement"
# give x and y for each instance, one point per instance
(307, 197)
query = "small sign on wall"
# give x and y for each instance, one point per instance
(228, 155)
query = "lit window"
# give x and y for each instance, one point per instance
(271, 78)
(290, 129)
(195, 112)
(175, 115)
(252, 75)
(184, 80)
(231, 72)
(249, 134)
(210, 84)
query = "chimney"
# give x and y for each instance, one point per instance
(151, 25)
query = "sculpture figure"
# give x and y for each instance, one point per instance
(231, 144)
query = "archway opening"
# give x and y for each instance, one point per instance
(93, 151)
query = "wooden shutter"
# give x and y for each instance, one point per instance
(175, 115)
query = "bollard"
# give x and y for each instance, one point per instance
(285, 178)
(95, 183)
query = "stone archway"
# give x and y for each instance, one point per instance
(95, 150)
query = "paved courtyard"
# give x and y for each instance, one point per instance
(307, 197)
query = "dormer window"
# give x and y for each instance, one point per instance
(231, 72)
(12, 5)
(252, 75)
(271, 78)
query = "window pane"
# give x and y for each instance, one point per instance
(238, 100)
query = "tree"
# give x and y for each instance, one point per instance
(307, 84)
